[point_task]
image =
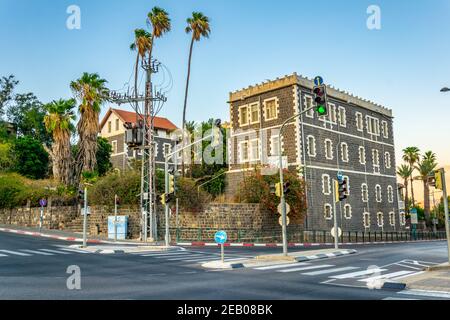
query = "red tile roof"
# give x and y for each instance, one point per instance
(129, 116)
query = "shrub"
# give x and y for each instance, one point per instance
(190, 197)
(31, 160)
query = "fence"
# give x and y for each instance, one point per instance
(300, 236)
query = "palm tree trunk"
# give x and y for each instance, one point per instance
(185, 102)
(406, 196)
(412, 192)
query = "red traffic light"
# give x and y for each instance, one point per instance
(319, 91)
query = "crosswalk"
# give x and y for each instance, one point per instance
(190, 256)
(23, 253)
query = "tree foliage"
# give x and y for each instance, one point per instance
(103, 155)
(30, 158)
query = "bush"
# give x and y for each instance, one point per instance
(31, 160)
(190, 198)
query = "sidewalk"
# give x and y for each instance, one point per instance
(434, 279)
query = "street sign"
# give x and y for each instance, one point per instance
(340, 176)
(280, 221)
(220, 237)
(43, 202)
(333, 233)
(414, 218)
(280, 208)
(318, 81)
(88, 211)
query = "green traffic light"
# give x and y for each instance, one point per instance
(321, 110)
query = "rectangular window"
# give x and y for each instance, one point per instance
(117, 124)
(387, 160)
(385, 129)
(270, 109)
(364, 193)
(308, 105)
(344, 152)
(274, 145)
(392, 218)
(254, 149)
(362, 155)
(254, 113)
(167, 148)
(243, 150)
(114, 146)
(326, 184)
(359, 121)
(373, 126)
(376, 160)
(311, 146)
(109, 126)
(332, 114)
(342, 117)
(243, 116)
(328, 149)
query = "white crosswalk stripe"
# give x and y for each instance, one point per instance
(328, 271)
(164, 254)
(281, 266)
(38, 252)
(55, 251)
(386, 276)
(16, 253)
(358, 273)
(73, 250)
(3, 255)
(306, 268)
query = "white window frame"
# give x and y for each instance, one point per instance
(251, 155)
(325, 206)
(309, 145)
(332, 113)
(309, 114)
(347, 178)
(364, 192)
(242, 124)
(385, 129)
(109, 126)
(373, 128)
(392, 219)
(342, 115)
(346, 158)
(244, 145)
(402, 218)
(380, 222)
(114, 147)
(156, 148)
(387, 160)
(250, 112)
(276, 108)
(326, 190)
(359, 121)
(376, 164)
(164, 148)
(331, 149)
(366, 225)
(362, 155)
(347, 209)
(378, 193)
(390, 194)
(274, 151)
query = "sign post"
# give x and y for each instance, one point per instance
(414, 221)
(115, 217)
(221, 237)
(85, 212)
(43, 203)
(336, 236)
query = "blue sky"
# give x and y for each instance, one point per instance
(401, 66)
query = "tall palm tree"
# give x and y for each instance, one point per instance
(426, 166)
(405, 172)
(142, 43)
(58, 122)
(159, 20)
(91, 92)
(198, 25)
(411, 155)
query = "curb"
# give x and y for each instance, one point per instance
(325, 255)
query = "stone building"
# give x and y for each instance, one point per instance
(356, 137)
(112, 128)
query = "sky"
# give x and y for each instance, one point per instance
(402, 66)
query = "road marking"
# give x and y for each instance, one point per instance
(280, 266)
(16, 253)
(408, 266)
(306, 268)
(386, 276)
(156, 255)
(198, 257)
(54, 251)
(73, 250)
(357, 274)
(434, 294)
(38, 252)
(3, 255)
(412, 274)
(335, 270)
(393, 298)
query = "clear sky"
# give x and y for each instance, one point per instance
(402, 66)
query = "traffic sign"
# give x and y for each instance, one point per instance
(43, 202)
(220, 237)
(340, 176)
(88, 211)
(333, 232)
(318, 81)
(280, 221)
(414, 216)
(280, 208)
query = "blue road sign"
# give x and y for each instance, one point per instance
(340, 176)
(220, 237)
(318, 81)
(42, 202)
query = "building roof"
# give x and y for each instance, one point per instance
(129, 116)
(294, 78)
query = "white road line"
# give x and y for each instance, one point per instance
(357, 274)
(386, 276)
(204, 259)
(54, 251)
(3, 255)
(412, 274)
(393, 298)
(38, 252)
(306, 268)
(16, 253)
(408, 266)
(73, 250)
(280, 266)
(187, 258)
(165, 254)
(335, 270)
(434, 294)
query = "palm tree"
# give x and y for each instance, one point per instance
(91, 91)
(426, 166)
(198, 25)
(159, 20)
(142, 43)
(405, 172)
(58, 122)
(411, 155)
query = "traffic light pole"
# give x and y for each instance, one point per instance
(283, 199)
(336, 231)
(447, 226)
(85, 219)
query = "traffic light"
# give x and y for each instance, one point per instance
(80, 195)
(320, 97)
(171, 183)
(166, 198)
(162, 199)
(273, 188)
(341, 189)
(438, 179)
(278, 189)
(286, 187)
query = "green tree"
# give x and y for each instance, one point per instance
(31, 159)
(142, 43)
(104, 151)
(411, 155)
(426, 166)
(7, 85)
(160, 23)
(198, 25)
(6, 159)
(405, 171)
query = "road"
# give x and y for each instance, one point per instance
(35, 268)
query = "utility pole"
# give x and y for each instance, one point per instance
(335, 200)
(441, 172)
(85, 209)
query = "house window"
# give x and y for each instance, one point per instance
(347, 211)
(380, 219)
(243, 116)
(328, 149)
(254, 149)
(387, 160)
(378, 193)
(373, 126)
(270, 108)
(359, 121)
(155, 145)
(311, 146)
(167, 148)
(384, 129)
(326, 184)
(366, 219)
(328, 211)
(342, 117)
(344, 152)
(254, 113)
(308, 103)
(362, 155)
(392, 218)
(402, 218)
(347, 180)
(332, 115)
(109, 126)
(364, 192)
(390, 193)
(117, 124)
(243, 151)
(274, 145)
(376, 161)
(114, 146)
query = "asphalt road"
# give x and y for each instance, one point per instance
(36, 268)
